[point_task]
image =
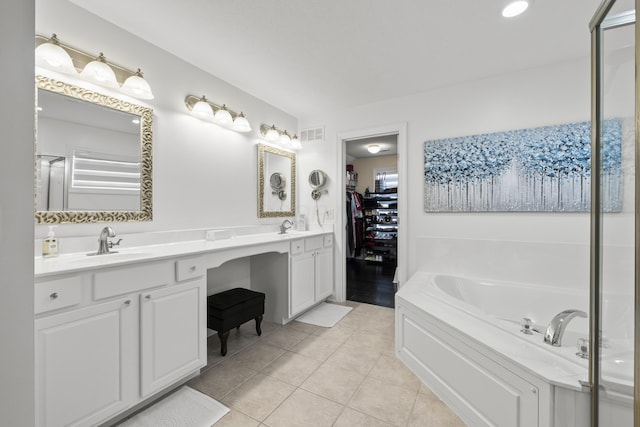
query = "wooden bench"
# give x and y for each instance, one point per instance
(230, 309)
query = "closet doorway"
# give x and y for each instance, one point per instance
(371, 196)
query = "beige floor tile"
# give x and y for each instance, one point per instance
(236, 342)
(333, 382)
(304, 409)
(302, 327)
(383, 401)
(339, 333)
(429, 411)
(371, 339)
(316, 347)
(355, 357)
(258, 396)
(286, 338)
(353, 418)
(354, 320)
(222, 378)
(291, 368)
(391, 370)
(236, 419)
(258, 356)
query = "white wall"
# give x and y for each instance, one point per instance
(548, 95)
(16, 214)
(204, 176)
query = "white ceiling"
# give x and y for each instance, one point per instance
(357, 148)
(313, 56)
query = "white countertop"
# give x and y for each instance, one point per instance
(73, 262)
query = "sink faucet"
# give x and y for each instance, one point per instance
(555, 330)
(283, 227)
(104, 245)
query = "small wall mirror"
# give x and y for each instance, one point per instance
(317, 180)
(93, 156)
(278, 168)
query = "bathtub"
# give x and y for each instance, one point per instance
(462, 337)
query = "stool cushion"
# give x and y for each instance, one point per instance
(230, 309)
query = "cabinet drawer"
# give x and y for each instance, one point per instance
(328, 241)
(297, 247)
(189, 268)
(56, 294)
(123, 280)
(313, 243)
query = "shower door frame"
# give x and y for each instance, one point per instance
(598, 25)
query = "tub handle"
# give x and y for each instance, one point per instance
(527, 326)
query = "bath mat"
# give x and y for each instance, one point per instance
(325, 315)
(184, 408)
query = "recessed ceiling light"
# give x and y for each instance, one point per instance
(515, 8)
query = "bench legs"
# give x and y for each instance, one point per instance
(224, 336)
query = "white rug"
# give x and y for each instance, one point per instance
(184, 408)
(325, 315)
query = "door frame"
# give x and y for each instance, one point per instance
(399, 129)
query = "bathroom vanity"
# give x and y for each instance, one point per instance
(113, 331)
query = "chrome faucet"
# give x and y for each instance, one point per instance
(557, 326)
(104, 245)
(283, 228)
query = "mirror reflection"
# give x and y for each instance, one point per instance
(277, 167)
(93, 156)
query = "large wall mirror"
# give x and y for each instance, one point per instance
(276, 182)
(93, 156)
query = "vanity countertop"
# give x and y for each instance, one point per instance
(74, 262)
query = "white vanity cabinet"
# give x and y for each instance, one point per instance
(311, 272)
(119, 335)
(85, 363)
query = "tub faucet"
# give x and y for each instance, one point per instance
(283, 227)
(104, 245)
(555, 330)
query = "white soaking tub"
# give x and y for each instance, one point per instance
(463, 338)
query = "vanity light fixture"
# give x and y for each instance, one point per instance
(373, 148)
(221, 115)
(515, 7)
(282, 137)
(52, 55)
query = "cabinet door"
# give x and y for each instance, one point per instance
(301, 282)
(172, 334)
(324, 273)
(85, 364)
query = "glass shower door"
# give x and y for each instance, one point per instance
(613, 217)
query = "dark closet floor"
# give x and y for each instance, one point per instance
(370, 282)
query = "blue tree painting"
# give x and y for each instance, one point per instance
(539, 169)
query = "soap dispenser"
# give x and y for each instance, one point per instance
(50, 244)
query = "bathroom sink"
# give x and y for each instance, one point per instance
(105, 258)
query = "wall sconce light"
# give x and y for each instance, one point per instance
(56, 56)
(373, 148)
(273, 134)
(207, 110)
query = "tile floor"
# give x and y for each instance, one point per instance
(301, 375)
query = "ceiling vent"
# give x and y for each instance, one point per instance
(312, 134)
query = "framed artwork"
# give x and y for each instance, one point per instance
(544, 169)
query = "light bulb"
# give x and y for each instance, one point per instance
(295, 143)
(285, 138)
(272, 134)
(137, 86)
(241, 124)
(373, 148)
(100, 73)
(52, 56)
(202, 109)
(222, 116)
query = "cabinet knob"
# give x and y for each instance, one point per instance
(193, 268)
(127, 303)
(147, 297)
(54, 295)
